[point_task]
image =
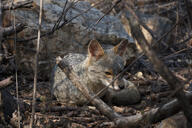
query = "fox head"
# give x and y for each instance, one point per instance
(103, 66)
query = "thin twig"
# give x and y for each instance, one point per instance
(118, 1)
(63, 15)
(36, 66)
(16, 68)
(185, 40)
(1, 32)
(177, 52)
(94, 24)
(68, 21)
(60, 18)
(187, 4)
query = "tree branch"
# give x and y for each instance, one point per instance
(160, 67)
(7, 31)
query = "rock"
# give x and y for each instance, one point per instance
(176, 121)
(159, 26)
(8, 100)
(139, 75)
(72, 37)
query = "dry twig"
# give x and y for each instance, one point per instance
(36, 65)
(16, 69)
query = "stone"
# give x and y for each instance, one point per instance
(176, 121)
(72, 37)
(158, 25)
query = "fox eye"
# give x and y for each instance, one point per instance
(108, 73)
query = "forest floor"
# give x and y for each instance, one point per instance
(51, 114)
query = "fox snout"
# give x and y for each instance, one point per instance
(119, 84)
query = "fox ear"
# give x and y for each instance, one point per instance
(121, 47)
(95, 49)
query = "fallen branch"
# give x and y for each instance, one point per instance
(56, 109)
(153, 116)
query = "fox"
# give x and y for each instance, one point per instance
(95, 70)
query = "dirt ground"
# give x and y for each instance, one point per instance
(51, 114)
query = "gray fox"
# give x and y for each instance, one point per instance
(95, 70)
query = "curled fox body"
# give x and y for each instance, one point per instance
(95, 70)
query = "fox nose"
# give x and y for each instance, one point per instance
(121, 86)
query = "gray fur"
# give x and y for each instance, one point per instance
(91, 74)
